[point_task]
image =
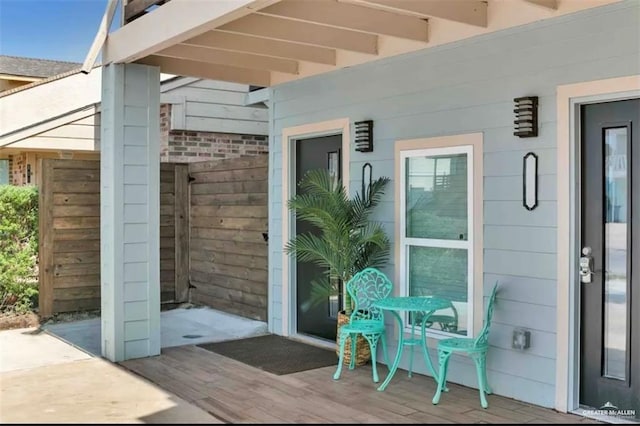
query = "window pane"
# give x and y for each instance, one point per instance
(4, 172)
(615, 252)
(436, 197)
(441, 272)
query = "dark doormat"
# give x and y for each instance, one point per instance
(275, 354)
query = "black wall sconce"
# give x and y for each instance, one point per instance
(530, 181)
(364, 136)
(526, 123)
(367, 173)
(28, 173)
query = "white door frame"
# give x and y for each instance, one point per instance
(289, 136)
(569, 99)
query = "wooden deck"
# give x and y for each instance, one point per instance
(238, 393)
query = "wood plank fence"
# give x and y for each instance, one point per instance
(69, 252)
(212, 247)
(228, 250)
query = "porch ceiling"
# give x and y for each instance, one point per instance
(267, 42)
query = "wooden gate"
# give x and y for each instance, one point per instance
(69, 264)
(228, 245)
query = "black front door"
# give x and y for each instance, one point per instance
(610, 302)
(315, 319)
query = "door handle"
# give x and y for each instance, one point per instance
(585, 267)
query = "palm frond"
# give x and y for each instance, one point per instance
(346, 240)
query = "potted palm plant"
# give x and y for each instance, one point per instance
(346, 240)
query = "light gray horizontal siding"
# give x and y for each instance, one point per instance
(520, 238)
(513, 213)
(501, 139)
(509, 163)
(215, 106)
(225, 125)
(509, 188)
(528, 264)
(462, 87)
(536, 291)
(499, 361)
(543, 343)
(523, 388)
(526, 314)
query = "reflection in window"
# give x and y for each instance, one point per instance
(441, 272)
(437, 197)
(615, 252)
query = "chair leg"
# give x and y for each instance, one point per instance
(383, 338)
(487, 388)
(479, 360)
(443, 360)
(343, 341)
(352, 363)
(373, 345)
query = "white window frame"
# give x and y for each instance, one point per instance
(476, 302)
(468, 244)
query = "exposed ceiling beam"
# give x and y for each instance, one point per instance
(472, 12)
(305, 33)
(176, 83)
(351, 17)
(551, 4)
(172, 23)
(260, 96)
(101, 36)
(225, 57)
(208, 71)
(261, 46)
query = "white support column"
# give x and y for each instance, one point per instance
(130, 211)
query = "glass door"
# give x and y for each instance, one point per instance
(610, 262)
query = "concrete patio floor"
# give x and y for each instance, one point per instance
(55, 374)
(182, 326)
(45, 380)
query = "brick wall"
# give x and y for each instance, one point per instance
(18, 169)
(176, 146)
(165, 125)
(10, 169)
(179, 146)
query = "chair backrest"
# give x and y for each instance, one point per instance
(483, 338)
(365, 287)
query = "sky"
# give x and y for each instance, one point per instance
(60, 30)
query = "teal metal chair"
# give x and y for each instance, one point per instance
(475, 348)
(365, 287)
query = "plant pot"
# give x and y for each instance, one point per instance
(363, 351)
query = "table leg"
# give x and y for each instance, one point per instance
(412, 318)
(425, 350)
(396, 361)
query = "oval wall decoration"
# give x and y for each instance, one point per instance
(530, 181)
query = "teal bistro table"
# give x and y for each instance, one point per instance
(412, 305)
